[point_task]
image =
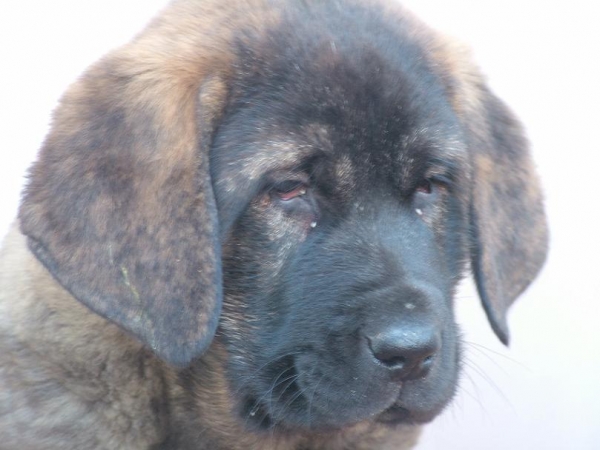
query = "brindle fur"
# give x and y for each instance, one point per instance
(131, 289)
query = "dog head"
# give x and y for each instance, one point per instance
(312, 179)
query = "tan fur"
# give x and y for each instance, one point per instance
(69, 379)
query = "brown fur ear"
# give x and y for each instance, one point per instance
(509, 243)
(119, 206)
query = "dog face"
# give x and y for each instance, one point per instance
(326, 189)
(344, 227)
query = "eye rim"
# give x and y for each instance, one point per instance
(431, 184)
(425, 186)
(289, 190)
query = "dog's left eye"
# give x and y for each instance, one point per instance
(425, 186)
(432, 185)
(289, 190)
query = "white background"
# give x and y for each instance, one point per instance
(543, 58)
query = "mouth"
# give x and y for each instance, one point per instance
(291, 397)
(288, 408)
(258, 417)
(406, 411)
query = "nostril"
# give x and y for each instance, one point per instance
(425, 365)
(388, 355)
(394, 362)
(405, 353)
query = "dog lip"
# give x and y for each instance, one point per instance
(394, 415)
(399, 413)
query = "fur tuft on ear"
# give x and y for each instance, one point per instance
(509, 232)
(119, 206)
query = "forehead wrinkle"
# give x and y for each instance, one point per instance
(284, 151)
(272, 155)
(431, 149)
(344, 172)
(451, 154)
(261, 157)
(437, 142)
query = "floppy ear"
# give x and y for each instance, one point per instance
(119, 206)
(509, 234)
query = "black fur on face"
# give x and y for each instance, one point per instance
(342, 218)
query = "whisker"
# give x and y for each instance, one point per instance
(483, 350)
(269, 394)
(250, 377)
(479, 371)
(314, 392)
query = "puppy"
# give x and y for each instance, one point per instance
(245, 230)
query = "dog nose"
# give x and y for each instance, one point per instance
(406, 352)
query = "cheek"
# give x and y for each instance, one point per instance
(255, 260)
(288, 222)
(432, 208)
(260, 243)
(434, 216)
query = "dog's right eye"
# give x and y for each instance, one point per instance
(295, 197)
(290, 189)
